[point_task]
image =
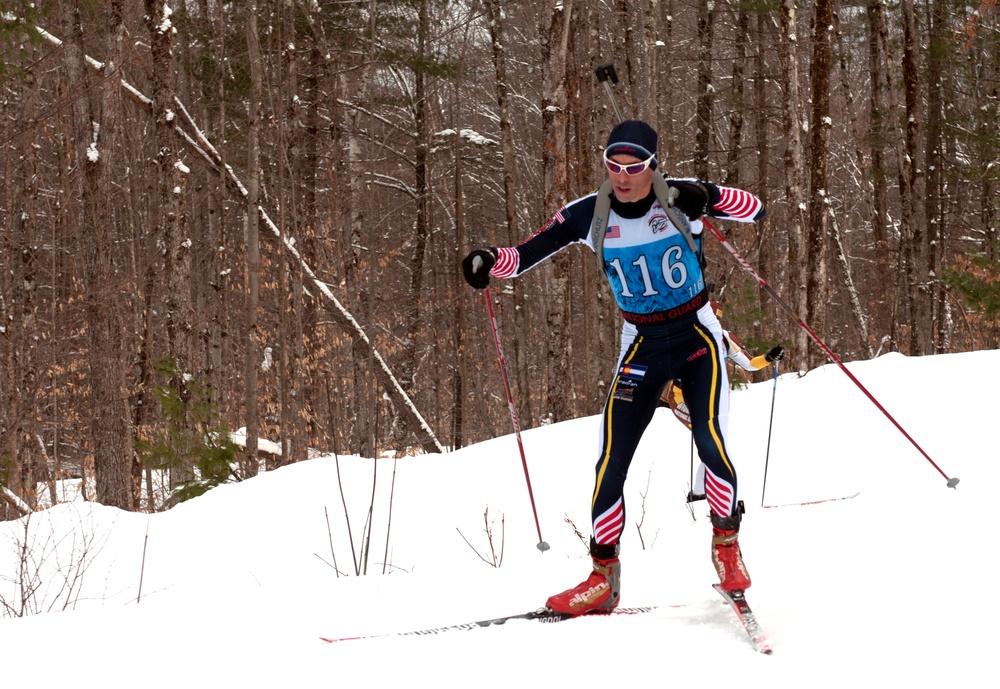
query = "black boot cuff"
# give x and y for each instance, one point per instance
(604, 551)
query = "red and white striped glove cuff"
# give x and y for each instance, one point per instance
(507, 262)
(737, 204)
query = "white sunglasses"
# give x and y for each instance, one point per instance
(630, 169)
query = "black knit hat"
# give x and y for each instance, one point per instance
(634, 138)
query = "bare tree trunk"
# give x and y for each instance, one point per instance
(555, 36)
(360, 423)
(495, 24)
(597, 335)
(891, 140)
(622, 44)
(168, 199)
(819, 199)
(304, 387)
(217, 230)
(791, 119)
(253, 246)
(938, 37)
(166, 207)
(903, 144)
(460, 324)
(706, 90)
(286, 313)
(638, 39)
(496, 29)
(762, 135)
(668, 141)
(420, 110)
(652, 49)
(876, 138)
(863, 192)
(921, 332)
(731, 173)
(96, 114)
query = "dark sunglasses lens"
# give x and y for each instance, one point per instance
(613, 167)
(635, 169)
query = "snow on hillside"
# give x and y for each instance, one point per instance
(235, 588)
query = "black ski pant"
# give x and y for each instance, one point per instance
(690, 351)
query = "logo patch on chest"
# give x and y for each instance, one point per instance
(659, 223)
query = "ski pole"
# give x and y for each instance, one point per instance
(953, 481)
(767, 453)
(542, 545)
(691, 471)
(689, 499)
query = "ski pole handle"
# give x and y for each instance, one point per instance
(606, 73)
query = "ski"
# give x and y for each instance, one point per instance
(738, 601)
(542, 614)
(813, 502)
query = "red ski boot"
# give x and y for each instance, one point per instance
(726, 554)
(599, 592)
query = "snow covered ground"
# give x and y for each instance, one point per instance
(235, 588)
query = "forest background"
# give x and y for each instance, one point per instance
(251, 214)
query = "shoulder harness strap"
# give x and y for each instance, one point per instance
(665, 194)
(599, 225)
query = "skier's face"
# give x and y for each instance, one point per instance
(629, 188)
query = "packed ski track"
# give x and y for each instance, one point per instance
(869, 571)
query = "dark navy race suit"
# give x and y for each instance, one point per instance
(670, 332)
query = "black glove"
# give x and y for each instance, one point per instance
(692, 198)
(476, 267)
(775, 354)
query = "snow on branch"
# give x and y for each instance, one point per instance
(15, 502)
(470, 135)
(239, 438)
